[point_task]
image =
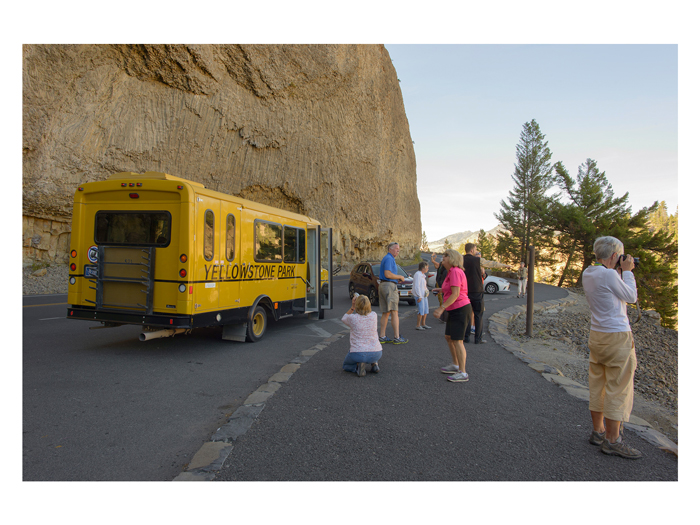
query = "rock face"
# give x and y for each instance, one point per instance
(317, 129)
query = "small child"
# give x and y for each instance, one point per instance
(420, 292)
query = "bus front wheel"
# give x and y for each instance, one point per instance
(257, 324)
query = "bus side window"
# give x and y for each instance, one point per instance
(290, 244)
(268, 241)
(209, 235)
(302, 245)
(230, 237)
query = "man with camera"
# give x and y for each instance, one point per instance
(609, 285)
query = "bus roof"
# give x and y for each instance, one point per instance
(155, 175)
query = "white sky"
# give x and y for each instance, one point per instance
(466, 105)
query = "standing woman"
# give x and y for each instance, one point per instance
(456, 303)
(522, 279)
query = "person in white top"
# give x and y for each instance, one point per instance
(609, 285)
(365, 347)
(420, 292)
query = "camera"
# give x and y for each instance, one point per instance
(624, 258)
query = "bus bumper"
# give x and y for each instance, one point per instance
(110, 316)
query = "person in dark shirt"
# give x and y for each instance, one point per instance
(475, 290)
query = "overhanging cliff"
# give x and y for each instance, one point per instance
(318, 129)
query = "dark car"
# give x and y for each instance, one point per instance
(364, 280)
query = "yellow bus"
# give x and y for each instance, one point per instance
(170, 255)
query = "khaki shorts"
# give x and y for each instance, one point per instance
(611, 367)
(388, 297)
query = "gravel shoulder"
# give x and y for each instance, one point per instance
(560, 339)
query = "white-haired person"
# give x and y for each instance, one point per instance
(609, 285)
(420, 293)
(456, 303)
(365, 348)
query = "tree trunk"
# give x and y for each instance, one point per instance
(568, 261)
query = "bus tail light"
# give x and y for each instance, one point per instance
(183, 273)
(73, 267)
(134, 195)
(73, 254)
(183, 258)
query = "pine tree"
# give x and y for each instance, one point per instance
(532, 178)
(486, 245)
(575, 225)
(594, 211)
(424, 243)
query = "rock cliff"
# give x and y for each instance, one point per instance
(318, 129)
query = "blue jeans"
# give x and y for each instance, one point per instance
(360, 357)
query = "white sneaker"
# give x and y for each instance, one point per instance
(459, 378)
(419, 328)
(449, 369)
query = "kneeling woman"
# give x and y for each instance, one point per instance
(459, 310)
(365, 348)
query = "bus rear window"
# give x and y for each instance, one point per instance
(150, 228)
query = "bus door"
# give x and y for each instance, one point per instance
(326, 263)
(207, 254)
(319, 286)
(313, 269)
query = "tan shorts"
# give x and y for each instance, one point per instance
(388, 297)
(611, 367)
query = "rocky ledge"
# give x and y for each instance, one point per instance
(563, 332)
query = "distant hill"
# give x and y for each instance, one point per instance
(458, 240)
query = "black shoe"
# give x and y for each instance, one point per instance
(360, 369)
(375, 368)
(466, 340)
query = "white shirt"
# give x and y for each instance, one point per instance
(607, 296)
(419, 285)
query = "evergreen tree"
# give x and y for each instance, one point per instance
(594, 211)
(486, 245)
(575, 225)
(532, 178)
(424, 243)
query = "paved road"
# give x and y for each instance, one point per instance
(409, 423)
(101, 405)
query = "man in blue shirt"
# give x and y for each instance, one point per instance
(389, 295)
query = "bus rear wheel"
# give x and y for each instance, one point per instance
(257, 324)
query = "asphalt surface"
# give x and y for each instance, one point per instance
(409, 423)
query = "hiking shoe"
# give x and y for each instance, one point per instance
(360, 369)
(596, 438)
(452, 369)
(419, 328)
(399, 340)
(383, 340)
(619, 449)
(459, 377)
(375, 368)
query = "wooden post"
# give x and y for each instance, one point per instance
(530, 290)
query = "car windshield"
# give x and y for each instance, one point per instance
(375, 270)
